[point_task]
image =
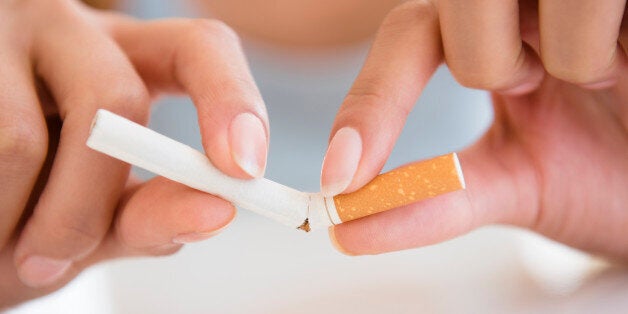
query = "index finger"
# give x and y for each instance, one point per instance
(204, 59)
(406, 52)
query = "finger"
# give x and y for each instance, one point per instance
(501, 188)
(155, 218)
(23, 137)
(84, 71)
(483, 46)
(163, 213)
(579, 41)
(405, 53)
(204, 59)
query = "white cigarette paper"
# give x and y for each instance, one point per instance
(140, 146)
(135, 144)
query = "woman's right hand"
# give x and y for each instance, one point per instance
(65, 207)
(555, 158)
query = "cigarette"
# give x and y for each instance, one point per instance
(135, 144)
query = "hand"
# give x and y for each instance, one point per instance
(556, 157)
(65, 207)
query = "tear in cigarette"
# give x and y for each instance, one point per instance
(135, 144)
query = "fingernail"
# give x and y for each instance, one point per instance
(341, 161)
(248, 142)
(38, 271)
(332, 238)
(193, 237)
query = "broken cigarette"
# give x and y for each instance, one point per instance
(135, 144)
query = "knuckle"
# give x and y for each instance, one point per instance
(482, 78)
(235, 90)
(212, 27)
(23, 141)
(81, 236)
(578, 70)
(39, 10)
(129, 100)
(364, 98)
(375, 105)
(488, 72)
(578, 76)
(412, 11)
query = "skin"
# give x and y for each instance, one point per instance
(555, 158)
(302, 23)
(553, 161)
(59, 62)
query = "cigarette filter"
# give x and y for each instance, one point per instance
(133, 143)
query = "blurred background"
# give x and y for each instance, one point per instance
(304, 56)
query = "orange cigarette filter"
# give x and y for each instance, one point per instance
(402, 186)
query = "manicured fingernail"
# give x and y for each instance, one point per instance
(248, 142)
(332, 238)
(38, 271)
(341, 161)
(193, 237)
